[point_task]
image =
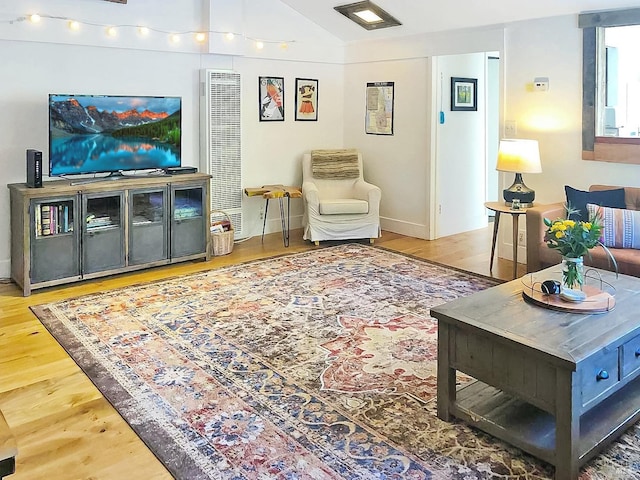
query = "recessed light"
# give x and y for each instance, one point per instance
(368, 15)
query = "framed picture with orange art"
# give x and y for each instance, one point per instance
(306, 99)
(271, 99)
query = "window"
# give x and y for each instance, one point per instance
(611, 86)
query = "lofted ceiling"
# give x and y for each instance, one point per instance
(424, 16)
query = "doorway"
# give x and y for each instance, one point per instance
(466, 145)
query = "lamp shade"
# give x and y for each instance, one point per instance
(519, 156)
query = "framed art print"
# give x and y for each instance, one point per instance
(379, 113)
(464, 94)
(306, 99)
(271, 99)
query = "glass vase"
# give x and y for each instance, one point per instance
(572, 273)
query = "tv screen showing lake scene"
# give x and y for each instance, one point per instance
(92, 134)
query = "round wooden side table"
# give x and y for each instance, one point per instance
(498, 208)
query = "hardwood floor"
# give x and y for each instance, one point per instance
(64, 427)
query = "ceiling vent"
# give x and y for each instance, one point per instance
(368, 15)
(117, 1)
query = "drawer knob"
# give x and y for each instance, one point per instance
(602, 375)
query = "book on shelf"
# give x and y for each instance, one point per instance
(38, 221)
(53, 219)
(53, 216)
(46, 219)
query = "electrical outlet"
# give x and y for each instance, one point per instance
(510, 128)
(521, 237)
(261, 215)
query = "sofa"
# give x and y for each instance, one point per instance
(540, 256)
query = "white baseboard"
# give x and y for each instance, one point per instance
(274, 225)
(404, 228)
(5, 268)
(505, 250)
(388, 224)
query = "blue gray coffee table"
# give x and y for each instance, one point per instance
(558, 385)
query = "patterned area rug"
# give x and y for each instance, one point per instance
(319, 365)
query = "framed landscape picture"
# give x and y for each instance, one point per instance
(306, 99)
(464, 94)
(271, 99)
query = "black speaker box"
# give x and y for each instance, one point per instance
(34, 168)
(180, 170)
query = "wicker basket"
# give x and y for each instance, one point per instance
(222, 242)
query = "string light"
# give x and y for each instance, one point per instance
(174, 37)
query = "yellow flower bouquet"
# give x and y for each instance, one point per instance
(573, 239)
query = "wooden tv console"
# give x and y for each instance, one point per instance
(68, 231)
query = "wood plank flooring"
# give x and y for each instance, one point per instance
(64, 427)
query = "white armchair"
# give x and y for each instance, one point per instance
(338, 203)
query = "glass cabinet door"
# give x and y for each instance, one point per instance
(103, 232)
(189, 228)
(53, 230)
(148, 226)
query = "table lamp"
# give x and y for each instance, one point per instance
(519, 156)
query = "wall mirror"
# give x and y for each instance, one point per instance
(611, 86)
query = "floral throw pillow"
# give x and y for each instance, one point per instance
(620, 227)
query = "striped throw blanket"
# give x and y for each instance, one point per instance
(335, 164)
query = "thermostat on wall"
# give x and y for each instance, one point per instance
(541, 84)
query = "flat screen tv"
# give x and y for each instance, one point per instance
(109, 133)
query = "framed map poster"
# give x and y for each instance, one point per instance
(379, 114)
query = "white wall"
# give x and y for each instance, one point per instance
(47, 59)
(552, 48)
(272, 151)
(36, 63)
(484, 39)
(397, 163)
(404, 165)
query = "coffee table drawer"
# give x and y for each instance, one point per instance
(630, 357)
(599, 374)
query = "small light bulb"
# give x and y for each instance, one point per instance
(259, 45)
(34, 18)
(74, 25)
(112, 31)
(230, 36)
(200, 37)
(284, 45)
(143, 30)
(174, 37)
